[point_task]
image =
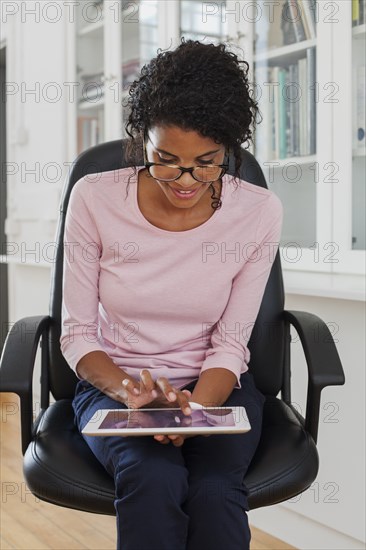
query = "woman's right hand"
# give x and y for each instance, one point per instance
(154, 394)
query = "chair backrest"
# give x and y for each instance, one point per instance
(266, 344)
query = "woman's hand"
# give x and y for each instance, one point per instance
(158, 394)
(154, 394)
(177, 440)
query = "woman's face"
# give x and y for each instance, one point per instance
(172, 145)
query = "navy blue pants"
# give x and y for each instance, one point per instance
(178, 498)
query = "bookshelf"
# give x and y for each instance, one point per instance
(112, 40)
(89, 75)
(310, 143)
(284, 71)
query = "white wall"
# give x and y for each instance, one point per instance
(331, 514)
(36, 145)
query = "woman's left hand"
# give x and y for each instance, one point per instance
(177, 440)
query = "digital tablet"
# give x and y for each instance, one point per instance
(138, 422)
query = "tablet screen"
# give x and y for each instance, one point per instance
(175, 418)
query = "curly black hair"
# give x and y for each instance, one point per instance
(199, 87)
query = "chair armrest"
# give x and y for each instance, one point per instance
(17, 365)
(322, 359)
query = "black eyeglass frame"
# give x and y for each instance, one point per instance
(224, 167)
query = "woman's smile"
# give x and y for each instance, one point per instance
(184, 194)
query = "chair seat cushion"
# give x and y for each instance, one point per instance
(60, 468)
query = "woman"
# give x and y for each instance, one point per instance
(162, 287)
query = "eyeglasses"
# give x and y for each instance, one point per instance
(172, 172)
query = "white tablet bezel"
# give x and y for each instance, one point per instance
(242, 424)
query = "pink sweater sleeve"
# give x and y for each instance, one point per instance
(82, 249)
(232, 332)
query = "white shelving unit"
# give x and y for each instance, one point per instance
(323, 193)
(349, 197)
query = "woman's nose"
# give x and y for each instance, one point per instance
(186, 180)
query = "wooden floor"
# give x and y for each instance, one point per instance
(29, 523)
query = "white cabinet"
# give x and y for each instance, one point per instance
(307, 63)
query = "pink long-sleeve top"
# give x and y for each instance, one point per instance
(174, 302)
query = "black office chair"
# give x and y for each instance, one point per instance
(58, 465)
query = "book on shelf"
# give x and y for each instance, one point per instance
(297, 19)
(287, 123)
(87, 132)
(293, 93)
(358, 12)
(308, 11)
